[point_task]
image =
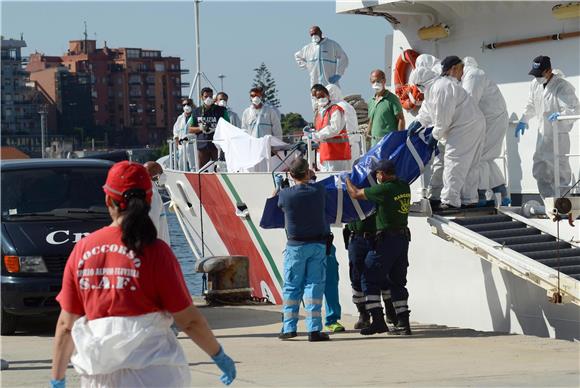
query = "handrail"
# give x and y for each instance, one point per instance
(557, 156)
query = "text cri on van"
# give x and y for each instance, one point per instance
(63, 236)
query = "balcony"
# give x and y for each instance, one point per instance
(184, 84)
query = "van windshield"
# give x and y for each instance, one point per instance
(55, 191)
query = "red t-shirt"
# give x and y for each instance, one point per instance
(103, 278)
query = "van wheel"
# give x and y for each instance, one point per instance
(8, 324)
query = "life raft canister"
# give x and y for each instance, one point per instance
(409, 95)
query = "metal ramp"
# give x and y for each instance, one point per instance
(514, 246)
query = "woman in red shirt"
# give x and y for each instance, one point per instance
(122, 289)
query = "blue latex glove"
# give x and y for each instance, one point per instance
(553, 117)
(227, 365)
(57, 383)
(413, 128)
(520, 128)
(308, 131)
(334, 79)
(278, 179)
(431, 141)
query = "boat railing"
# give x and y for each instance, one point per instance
(557, 155)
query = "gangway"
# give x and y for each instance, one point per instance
(516, 245)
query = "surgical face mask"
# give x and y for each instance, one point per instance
(377, 86)
(187, 109)
(208, 101)
(541, 80)
(322, 102)
(315, 39)
(223, 103)
(256, 100)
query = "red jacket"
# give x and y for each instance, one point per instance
(337, 147)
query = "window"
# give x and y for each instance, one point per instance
(133, 53)
(160, 67)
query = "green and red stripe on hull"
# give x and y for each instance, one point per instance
(218, 199)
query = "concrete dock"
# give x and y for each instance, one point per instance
(433, 356)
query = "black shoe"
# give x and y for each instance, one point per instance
(316, 336)
(390, 312)
(364, 319)
(435, 204)
(378, 324)
(403, 328)
(287, 336)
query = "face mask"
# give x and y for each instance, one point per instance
(322, 102)
(377, 86)
(187, 109)
(541, 80)
(208, 101)
(315, 39)
(223, 103)
(256, 100)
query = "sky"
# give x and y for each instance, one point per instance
(236, 36)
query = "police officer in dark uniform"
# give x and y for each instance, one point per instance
(386, 263)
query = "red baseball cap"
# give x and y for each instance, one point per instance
(124, 176)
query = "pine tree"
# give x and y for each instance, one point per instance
(264, 79)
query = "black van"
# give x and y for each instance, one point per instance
(47, 206)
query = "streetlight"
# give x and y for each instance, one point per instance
(43, 111)
(221, 77)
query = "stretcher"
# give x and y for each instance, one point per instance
(410, 155)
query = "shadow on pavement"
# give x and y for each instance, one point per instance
(231, 317)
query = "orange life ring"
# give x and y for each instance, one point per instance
(409, 95)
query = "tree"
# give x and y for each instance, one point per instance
(292, 122)
(264, 80)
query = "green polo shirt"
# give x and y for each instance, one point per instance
(393, 200)
(384, 115)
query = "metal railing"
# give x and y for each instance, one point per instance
(557, 156)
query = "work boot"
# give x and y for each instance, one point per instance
(317, 336)
(364, 318)
(403, 328)
(287, 336)
(390, 312)
(378, 324)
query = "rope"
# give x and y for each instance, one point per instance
(570, 189)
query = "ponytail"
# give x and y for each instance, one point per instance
(136, 225)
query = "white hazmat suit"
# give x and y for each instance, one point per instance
(492, 104)
(323, 60)
(259, 122)
(336, 124)
(185, 151)
(557, 96)
(458, 124)
(428, 61)
(356, 149)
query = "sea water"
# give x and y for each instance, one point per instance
(184, 255)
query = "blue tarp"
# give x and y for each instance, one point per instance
(395, 146)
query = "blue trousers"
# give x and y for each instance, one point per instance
(304, 275)
(331, 299)
(358, 248)
(386, 268)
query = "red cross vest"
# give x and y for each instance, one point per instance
(333, 148)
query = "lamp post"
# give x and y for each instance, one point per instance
(43, 111)
(221, 77)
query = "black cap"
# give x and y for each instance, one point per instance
(449, 62)
(386, 166)
(539, 65)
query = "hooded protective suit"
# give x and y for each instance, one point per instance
(259, 122)
(428, 61)
(558, 96)
(351, 120)
(322, 60)
(492, 104)
(458, 124)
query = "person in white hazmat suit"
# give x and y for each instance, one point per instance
(428, 61)
(185, 150)
(458, 124)
(550, 96)
(157, 211)
(492, 104)
(260, 119)
(356, 140)
(323, 58)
